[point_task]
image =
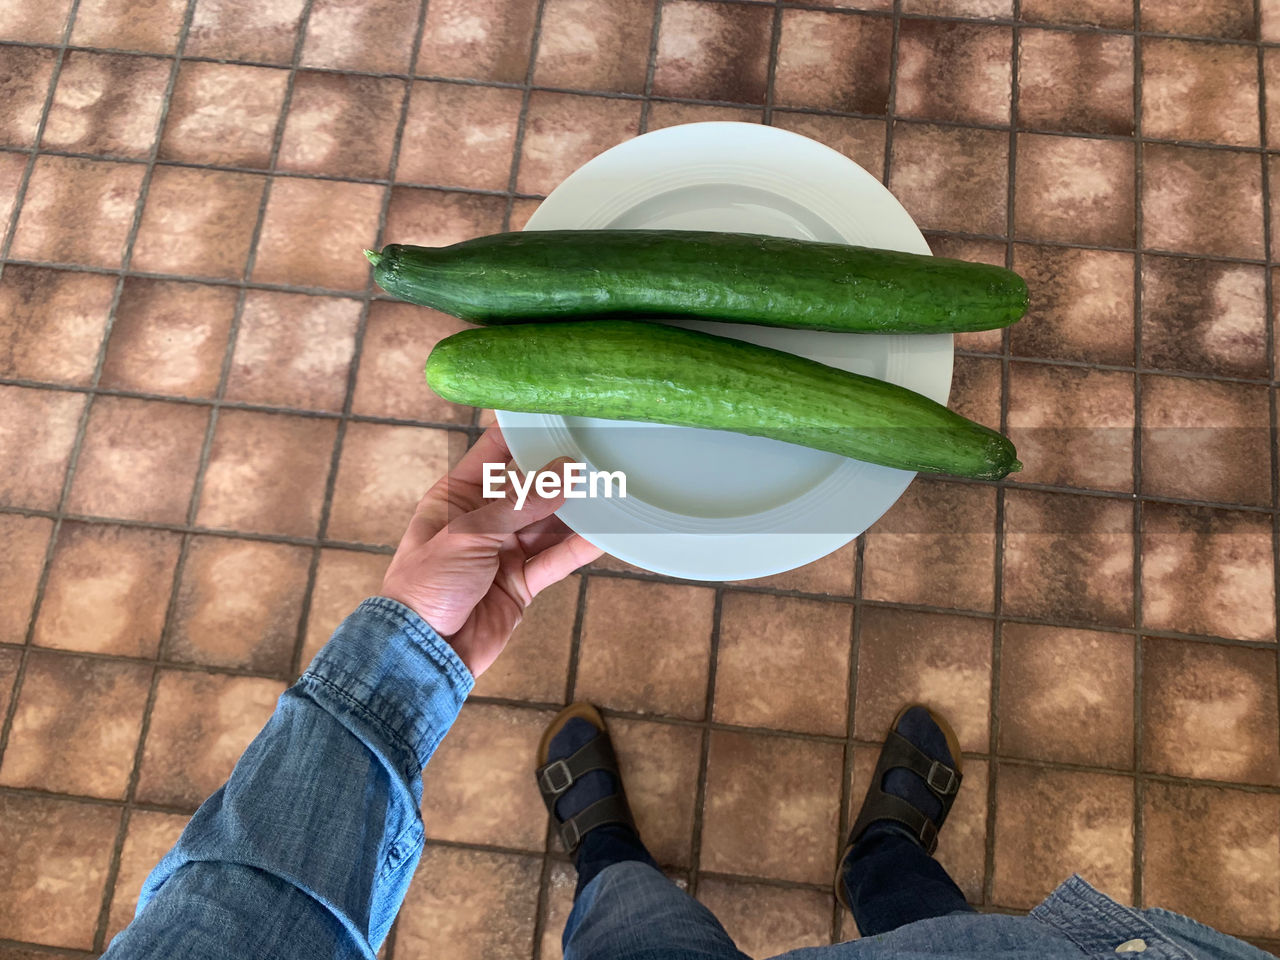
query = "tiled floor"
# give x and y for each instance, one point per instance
(212, 430)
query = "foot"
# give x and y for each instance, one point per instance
(923, 774)
(593, 786)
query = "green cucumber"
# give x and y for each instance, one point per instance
(580, 274)
(656, 373)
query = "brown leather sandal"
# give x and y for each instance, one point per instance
(557, 776)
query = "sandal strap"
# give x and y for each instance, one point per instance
(610, 809)
(556, 777)
(942, 780)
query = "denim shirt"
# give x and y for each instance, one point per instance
(308, 849)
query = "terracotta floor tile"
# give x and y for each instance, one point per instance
(458, 135)
(1066, 695)
(1204, 317)
(861, 140)
(1208, 852)
(108, 589)
(200, 724)
(859, 5)
(1271, 83)
(1081, 305)
(962, 843)
(1072, 426)
(293, 350)
(198, 222)
(1221, 80)
(1093, 13)
(765, 920)
(34, 21)
(139, 460)
(562, 879)
(783, 663)
(56, 323)
(1207, 571)
(976, 389)
(646, 647)
(106, 104)
(341, 124)
(1229, 19)
(563, 131)
(659, 764)
(25, 73)
(832, 574)
(939, 660)
(975, 165)
(1209, 711)
(435, 218)
(10, 657)
(782, 826)
(149, 838)
(664, 113)
(23, 542)
(935, 546)
(1075, 190)
(37, 428)
(353, 35)
(479, 787)
(267, 473)
(1052, 823)
(481, 39)
(708, 51)
(468, 905)
(536, 661)
(148, 25)
(76, 726)
(1270, 19)
(313, 233)
(1068, 557)
(397, 339)
(595, 45)
(384, 472)
(343, 579)
(57, 853)
(1201, 202)
(244, 30)
(169, 337)
(833, 61)
(77, 211)
(1206, 440)
(224, 114)
(13, 167)
(958, 72)
(238, 604)
(521, 211)
(1075, 81)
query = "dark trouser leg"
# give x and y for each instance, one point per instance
(605, 846)
(891, 881)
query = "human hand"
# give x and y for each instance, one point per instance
(469, 565)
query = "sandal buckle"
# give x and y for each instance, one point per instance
(942, 787)
(556, 778)
(570, 836)
(929, 836)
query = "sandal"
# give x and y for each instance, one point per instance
(940, 779)
(556, 777)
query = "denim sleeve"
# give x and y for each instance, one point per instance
(309, 847)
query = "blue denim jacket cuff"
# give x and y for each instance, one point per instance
(386, 671)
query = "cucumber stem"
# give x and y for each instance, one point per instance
(373, 256)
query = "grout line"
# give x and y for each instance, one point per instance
(707, 724)
(651, 66)
(517, 147)
(891, 106)
(1139, 791)
(771, 73)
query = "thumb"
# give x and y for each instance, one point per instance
(518, 508)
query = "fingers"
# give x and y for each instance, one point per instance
(490, 448)
(536, 537)
(501, 518)
(557, 562)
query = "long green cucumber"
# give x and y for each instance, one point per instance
(580, 274)
(652, 372)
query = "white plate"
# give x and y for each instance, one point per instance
(705, 504)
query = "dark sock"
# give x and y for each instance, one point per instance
(918, 727)
(605, 845)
